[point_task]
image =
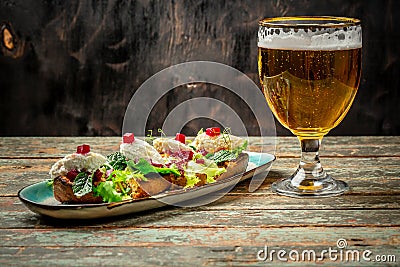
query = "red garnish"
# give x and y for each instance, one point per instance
(190, 155)
(200, 161)
(83, 149)
(155, 164)
(72, 174)
(98, 174)
(97, 177)
(128, 138)
(202, 151)
(213, 131)
(181, 138)
(182, 154)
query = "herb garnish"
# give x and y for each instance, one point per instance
(82, 184)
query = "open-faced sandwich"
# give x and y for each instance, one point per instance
(72, 176)
(140, 169)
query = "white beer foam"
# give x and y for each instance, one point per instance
(323, 39)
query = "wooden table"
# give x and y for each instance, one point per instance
(231, 231)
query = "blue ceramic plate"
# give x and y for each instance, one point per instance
(39, 197)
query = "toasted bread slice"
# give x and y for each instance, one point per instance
(62, 188)
(235, 167)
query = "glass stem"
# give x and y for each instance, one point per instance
(310, 158)
(310, 172)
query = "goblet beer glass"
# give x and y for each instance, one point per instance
(309, 69)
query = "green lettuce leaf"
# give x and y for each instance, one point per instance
(144, 167)
(191, 180)
(116, 187)
(210, 179)
(120, 176)
(50, 182)
(239, 150)
(107, 191)
(211, 170)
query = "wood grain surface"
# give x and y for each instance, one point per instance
(228, 232)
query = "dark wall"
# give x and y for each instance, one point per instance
(76, 64)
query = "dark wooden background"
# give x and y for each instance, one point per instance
(76, 64)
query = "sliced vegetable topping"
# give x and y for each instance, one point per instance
(213, 131)
(83, 149)
(181, 138)
(128, 138)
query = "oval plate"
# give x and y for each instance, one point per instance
(39, 197)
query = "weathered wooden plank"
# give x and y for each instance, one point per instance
(199, 246)
(53, 147)
(344, 146)
(18, 173)
(207, 236)
(215, 218)
(337, 146)
(218, 216)
(233, 255)
(275, 202)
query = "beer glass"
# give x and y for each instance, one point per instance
(309, 68)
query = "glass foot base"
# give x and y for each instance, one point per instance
(327, 187)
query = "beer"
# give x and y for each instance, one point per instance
(309, 91)
(309, 70)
